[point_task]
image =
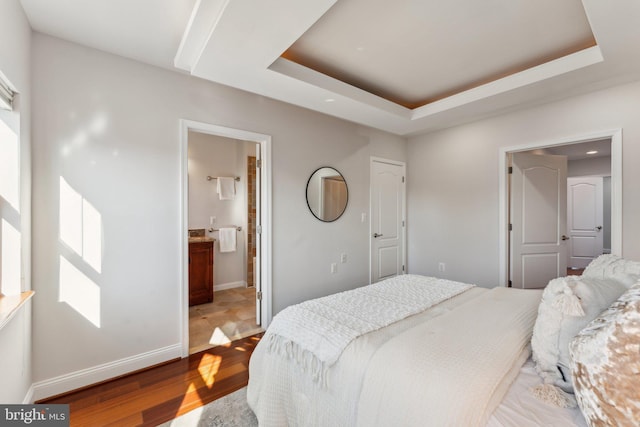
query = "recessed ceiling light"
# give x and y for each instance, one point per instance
(592, 152)
(329, 100)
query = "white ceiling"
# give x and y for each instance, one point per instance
(473, 60)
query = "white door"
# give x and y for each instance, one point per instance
(257, 270)
(387, 219)
(584, 219)
(538, 219)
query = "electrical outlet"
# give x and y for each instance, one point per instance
(343, 258)
(441, 267)
(334, 268)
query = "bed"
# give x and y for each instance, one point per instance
(461, 358)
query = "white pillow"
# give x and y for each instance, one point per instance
(614, 267)
(568, 304)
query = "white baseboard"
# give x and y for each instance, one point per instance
(230, 285)
(29, 396)
(96, 374)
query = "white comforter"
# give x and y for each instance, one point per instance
(315, 333)
(375, 380)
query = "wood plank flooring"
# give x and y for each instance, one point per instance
(159, 394)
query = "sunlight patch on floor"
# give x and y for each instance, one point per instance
(219, 338)
(208, 368)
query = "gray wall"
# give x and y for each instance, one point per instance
(110, 127)
(453, 179)
(599, 166)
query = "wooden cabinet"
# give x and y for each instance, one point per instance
(200, 272)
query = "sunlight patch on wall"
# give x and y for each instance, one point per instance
(91, 236)
(80, 226)
(9, 166)
(10, 266)
(83, 136)
(70, 217)
(80, 292)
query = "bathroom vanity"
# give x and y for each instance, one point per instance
(200, 270)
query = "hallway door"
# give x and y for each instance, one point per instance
(584, 219)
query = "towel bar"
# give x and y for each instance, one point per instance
(211, 230)
(209, 178)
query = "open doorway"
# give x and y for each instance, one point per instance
(554, 259)
(226, 224)
(222, 201)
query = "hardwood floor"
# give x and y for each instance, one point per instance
(159, 394)
(575, 271)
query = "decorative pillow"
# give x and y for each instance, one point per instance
(614, 267)
(605, 361)
(568, 304)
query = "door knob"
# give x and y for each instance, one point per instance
(376, 235)
(565, 237)
(599, 228)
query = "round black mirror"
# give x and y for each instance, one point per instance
(327, 194)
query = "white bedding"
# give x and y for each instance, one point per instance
(519, 409)
(281, 393)
(451, 369)
(315, 333)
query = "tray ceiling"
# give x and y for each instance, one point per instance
(417, 52)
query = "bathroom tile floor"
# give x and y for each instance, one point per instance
(231, 316)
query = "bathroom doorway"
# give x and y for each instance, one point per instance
(224, 268)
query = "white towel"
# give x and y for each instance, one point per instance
(226, 188)
(227, 237)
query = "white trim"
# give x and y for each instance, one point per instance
(28, 398)
(264, 142)
(230, 285)
(565, 64)
(403, 165)
(616, 189)
(202, 22)
(96, 374)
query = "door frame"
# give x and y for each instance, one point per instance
(264, 141)
(403, 165)
(616, 190)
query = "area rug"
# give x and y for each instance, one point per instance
(231, 410)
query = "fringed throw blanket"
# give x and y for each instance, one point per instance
(314, 333)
